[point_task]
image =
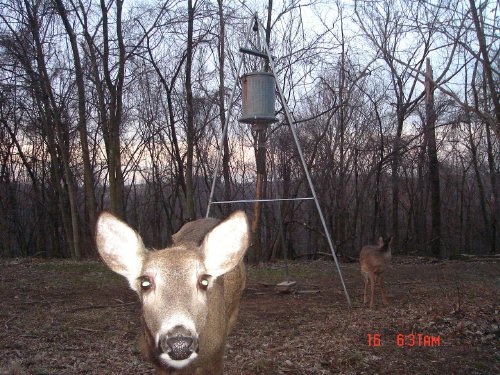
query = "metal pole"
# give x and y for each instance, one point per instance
(263, 200)
(224, 132)
(283, 245)
(304, 165)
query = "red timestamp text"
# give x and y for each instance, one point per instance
(406, 340)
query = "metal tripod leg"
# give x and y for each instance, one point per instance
(306, 171)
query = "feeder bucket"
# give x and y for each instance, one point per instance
(258, 91)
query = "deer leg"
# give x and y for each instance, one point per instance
(365, 278)
(381, 282)
(372, 285)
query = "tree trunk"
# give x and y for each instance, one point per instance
(494, 201)
(82, 121)
(487, 66)
(260, 137)
(260, 159)
(378, 224)
(189, 116)
(115, 89)
(430, 135)
(396, 156)
(53, 120)
(222, 109)
(420, 199)
(480, 186)
(341, 213)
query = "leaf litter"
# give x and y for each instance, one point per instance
(61, 317)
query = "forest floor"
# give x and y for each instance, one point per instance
(61, 317)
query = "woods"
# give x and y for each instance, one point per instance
(120, 106)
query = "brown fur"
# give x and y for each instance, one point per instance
(194, 231)
(174, 268)
(373, 260)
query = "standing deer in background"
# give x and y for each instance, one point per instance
(190, 292)
(373, 260)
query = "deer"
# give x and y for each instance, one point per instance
(189, 292)
(373, 260)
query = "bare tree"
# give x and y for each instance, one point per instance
(221, 52)
(486, 61)
(430, 140)
(123, 103)
(386, 30)
(90, 205)
(189, 113)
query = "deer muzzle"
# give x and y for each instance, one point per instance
(179, 343)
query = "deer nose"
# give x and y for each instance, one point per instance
(179, 344)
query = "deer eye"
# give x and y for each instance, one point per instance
(204, 282)
(145, 282)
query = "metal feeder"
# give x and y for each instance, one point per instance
(258, 92)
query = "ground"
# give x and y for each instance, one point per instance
(60, 317)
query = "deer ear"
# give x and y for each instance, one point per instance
(120, 247)
(226, 244)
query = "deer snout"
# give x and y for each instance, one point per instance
(179, 343)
